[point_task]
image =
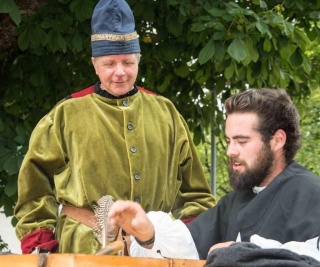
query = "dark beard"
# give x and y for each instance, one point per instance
(256, 174)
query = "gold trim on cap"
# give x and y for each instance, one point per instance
(114, 37)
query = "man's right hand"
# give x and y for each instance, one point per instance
(131, 217)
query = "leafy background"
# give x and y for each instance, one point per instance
(195, 52)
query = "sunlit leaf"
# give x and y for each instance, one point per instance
(229, 71)
(262, 27)
(267, 45)
(237, 50)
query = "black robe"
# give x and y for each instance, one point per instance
(288, 209)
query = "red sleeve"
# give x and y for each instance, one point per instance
(84, 92)
(187, 220)
(42, 238)
(145, 90)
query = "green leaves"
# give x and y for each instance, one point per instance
(229, 71)
(56, 41)
(10, 164)
(10, 7)
(77, 42)
(189, 48)
(82, 9)
(262, 27)
(207, 52)
(174, 26)
(237, 50)
(182, 71)
(55, 28)
(296, 58)
(32, 36)
(198, 27)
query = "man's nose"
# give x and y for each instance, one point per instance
(232, 151)
(119, 70)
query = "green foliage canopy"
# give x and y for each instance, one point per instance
(191, 52)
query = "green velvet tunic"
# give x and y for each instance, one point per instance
(137, 148)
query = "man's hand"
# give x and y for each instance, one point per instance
(131, 217)
(221, 245)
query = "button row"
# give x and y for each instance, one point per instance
(133, 149)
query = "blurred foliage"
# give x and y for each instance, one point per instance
(3, 247)
(310, 130)
(191, 51)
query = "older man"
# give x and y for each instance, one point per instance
(112, 139)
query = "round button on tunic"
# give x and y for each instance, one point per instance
(137, 176)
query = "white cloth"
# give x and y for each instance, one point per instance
(308, 248)
(172, 239)
(258, 189)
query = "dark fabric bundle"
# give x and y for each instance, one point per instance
(246, 254)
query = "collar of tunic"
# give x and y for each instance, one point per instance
(106, 94)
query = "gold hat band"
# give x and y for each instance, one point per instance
(114, 37)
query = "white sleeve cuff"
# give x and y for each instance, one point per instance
(172, 239)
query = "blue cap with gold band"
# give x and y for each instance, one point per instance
(113, 29)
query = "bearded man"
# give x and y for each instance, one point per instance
(274, 199)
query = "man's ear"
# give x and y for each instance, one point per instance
(92, 60)
(278, 140)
